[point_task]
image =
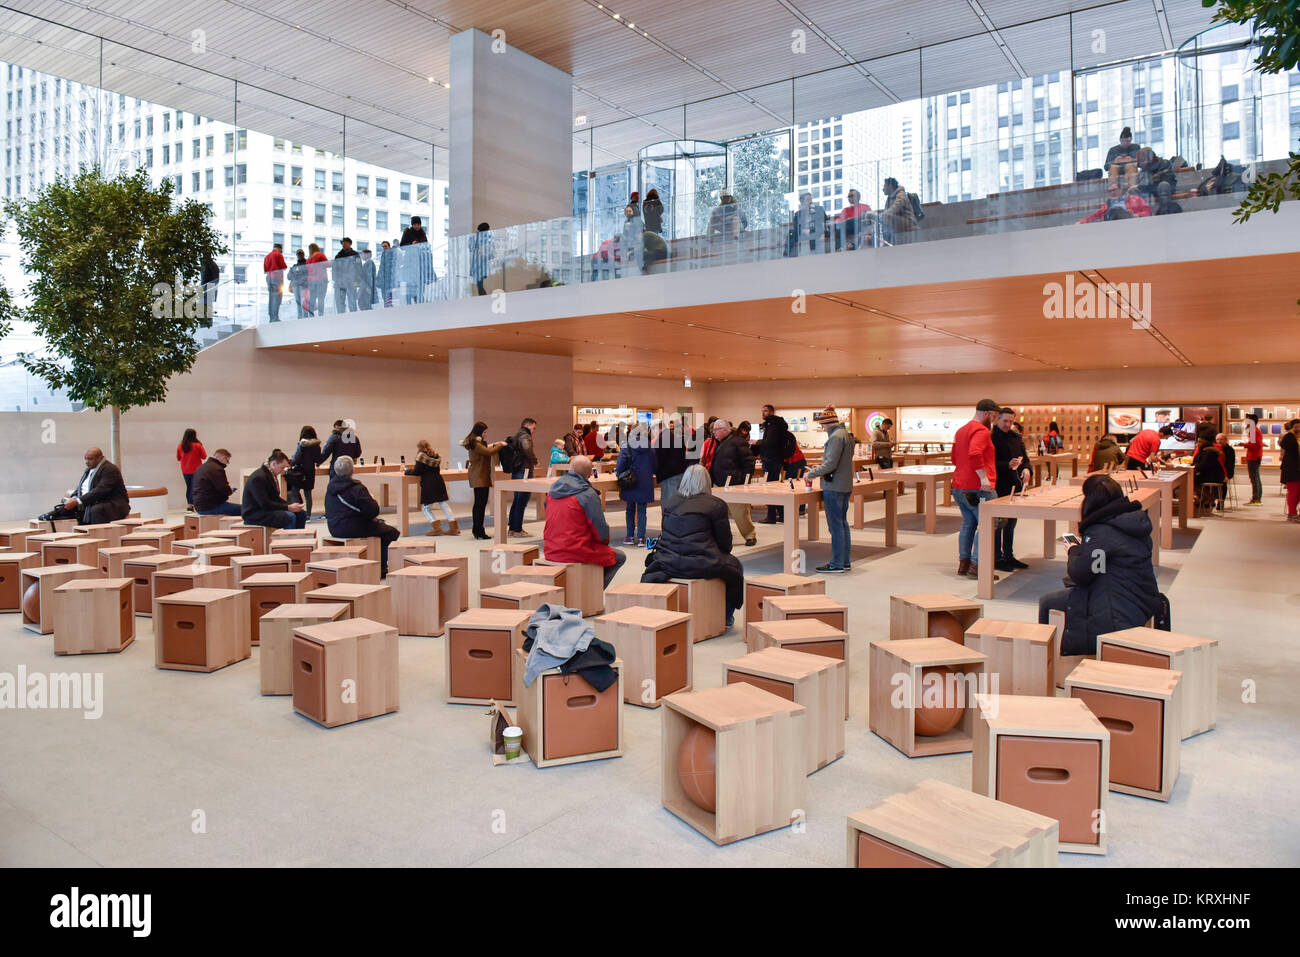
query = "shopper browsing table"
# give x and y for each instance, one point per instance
(975, 462)
(1254, 445)
(1144, 447)
(1013, 473)
(836, 473)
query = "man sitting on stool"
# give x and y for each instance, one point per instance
(576, 531)
(100, 495)
(262, 504)
(212, 488)
(352, 512)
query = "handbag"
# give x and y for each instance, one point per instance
(294, 478)
(627, 480)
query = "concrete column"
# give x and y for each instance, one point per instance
(502, 389)
(511, 135)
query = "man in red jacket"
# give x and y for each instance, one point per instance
(1254, 456)
(973, 482)
(274, 267)
(576, 530)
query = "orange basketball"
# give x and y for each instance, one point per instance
(944, 624)
(32, 602)
(696, 762)
(933, 719)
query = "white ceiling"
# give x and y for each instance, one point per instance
(302, 65)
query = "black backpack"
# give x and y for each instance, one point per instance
(916, 206)
(789, 445)
(509, 454)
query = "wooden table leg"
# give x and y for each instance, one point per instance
(985, 555)
(1049, 538)
(947, 489)
(1074, 467)
(859, 510)
(891, 518)
(403, 505)
(1185, 506)
(499, 512)
(920, 495)
(1167, 516)
(791, 529)
(931, 493)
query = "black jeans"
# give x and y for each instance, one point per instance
(302, 495)
(772, 472)
(1052, 601)
(1133, 464)
(1004, 533)
(480, 507)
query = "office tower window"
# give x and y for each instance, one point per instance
(320, 179)
(167, 122)
(243, 139)
(167, 154)
(295, 176)
(148, 124)
(381, 187)
(207, 146)
(230, 174)
(1231, 131)
(404, 192)
(277, 174)
(180, 119)
(295, 210)
(278, 143)
(320, 153)
(207, 179)
(320, 213)
(177, 179)
(148, 157)
(336, 182)
(295, 243)
(277, 239)
(295, 148)
(421, 192)
(241, 174)
(198, 148)
(336, 215)
(381, 220)
(194, 181)
(277, 208)
(230, 142)
(363, 185)
(363, 218)
(241, 274)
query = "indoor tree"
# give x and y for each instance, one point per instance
(114, 295)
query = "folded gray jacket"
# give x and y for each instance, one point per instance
(558, 634)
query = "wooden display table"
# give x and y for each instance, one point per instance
(503, 491)
(1046, 755)
(928, 479)
(938, 825)
(275, 659)
(814, 681)
(1172, 483)
(655, 648)
(564, 719)
(1054, 461)
(1196, 658)
(1048, 505)
(93, 616)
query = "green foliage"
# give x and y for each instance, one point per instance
(97, 249)
(6, 312)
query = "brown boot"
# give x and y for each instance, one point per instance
(974, 571)
(963, 566)
(453, 528)
(435, 528)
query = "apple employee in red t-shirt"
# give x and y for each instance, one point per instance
(1144, 445)
(974, 459)
(1254, 456)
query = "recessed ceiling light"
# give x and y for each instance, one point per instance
(316, 345)
(374, 350)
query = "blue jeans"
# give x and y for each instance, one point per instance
(520, 502)
(837, 521)
(620, 558)
(636, 519)
(225, 508)
(968, 539)
(285, 519)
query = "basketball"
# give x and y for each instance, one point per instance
(696, 762)
(944, 624)
(32, 602)
(937, 718)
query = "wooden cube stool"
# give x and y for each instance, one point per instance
(1046, 755)
(133, 520)
(523, 596)
(203, 629)
(192, 546)
(77, 550)
(93, 616)
(11, 567)
(565, 720)
(925, 683)
(297, 550)
(767, 586)
(111, 532)
(584, 585)
(809, 635)
(813, 681)
(938, 825)
(642, 595)
(656, 651)
(932, 615)
(168, 581)
(1141, 707)
(1019, 653)
(805, 607)
(110, 559)
(268, 591)
(480, 655)
(554, 576)
(15, 539)
(495, 560)
(424, 598)
(325, 552)
(160, 538)
(280, 534)
(400, 549)
(176, 528)
(245, 565)
(243, 536)
(1062, 665)
(345, 671)
(734, 762)
(60, 524)
(370, 545)
(445, 560)
(142, 568)
(36, 584)
(334, 571)
(367, 601)
(1196, 658)
(706, 601)
(196, 526)
(222, 554)
(275, 659)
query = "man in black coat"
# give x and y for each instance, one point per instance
(342, 441)
(100, 495)
(732, 464)
(772, 450)
(352, 512)
(212, 488)
(670, 457)
(1012, 473)
(262, 503)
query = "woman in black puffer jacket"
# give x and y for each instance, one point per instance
(695, 541)
(1114, 582)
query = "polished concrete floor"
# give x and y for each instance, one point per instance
(200, 770)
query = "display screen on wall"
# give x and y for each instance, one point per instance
(1155, 416)
(1123, 419)
(930, 423)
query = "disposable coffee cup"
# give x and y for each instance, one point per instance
(513, 738)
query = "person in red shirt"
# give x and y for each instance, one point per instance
(1254, 456)
(850, 231)
(190, 453)
(591, 443)
(1131, 206)
(973, 482)
(1145, 445)
(274, 267)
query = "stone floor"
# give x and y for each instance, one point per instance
(418, 788)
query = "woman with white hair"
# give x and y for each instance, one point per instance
(696, 540)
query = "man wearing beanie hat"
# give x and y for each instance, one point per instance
(1122, 158)
(836, 473)
(976, 464)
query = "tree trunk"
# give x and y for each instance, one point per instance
(115, 436)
